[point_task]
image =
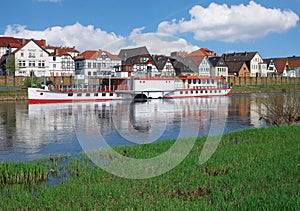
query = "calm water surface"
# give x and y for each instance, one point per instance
(33, 131)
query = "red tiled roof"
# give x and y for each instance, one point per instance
(280, 66)
(202, 52)
(293, 63)
(197, 59)
(92, 54)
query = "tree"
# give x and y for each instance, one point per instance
(281, 110)
(10, 67)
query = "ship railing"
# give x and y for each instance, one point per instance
(88, 88)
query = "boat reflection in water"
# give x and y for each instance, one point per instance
(44, 129)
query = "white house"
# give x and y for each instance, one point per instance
(218, 67)
(96, 63)
(253, 61)
(31, 58)
(164, 65)
(61, 61)
(204, 67)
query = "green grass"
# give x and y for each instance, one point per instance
(13, 94)
(253, 169)
(265, 88)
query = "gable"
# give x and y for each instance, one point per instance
(31, 44)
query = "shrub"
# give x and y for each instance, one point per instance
(283, 109)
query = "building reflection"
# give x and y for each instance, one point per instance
(48, 128)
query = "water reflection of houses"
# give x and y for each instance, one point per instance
(250, 108)
(45, 124)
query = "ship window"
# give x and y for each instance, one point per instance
(87, 94)
(194, 81)
(196, 92)
(70, 94)
(199, 82)
(186, 92)
(205, 91)
(96, 94)
(191, 92)
(201, 91)
(103, 94)
(111, 94)
(181, 92)
(41, 93)
(79, 94)
(189, 81)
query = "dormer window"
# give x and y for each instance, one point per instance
(103, 56)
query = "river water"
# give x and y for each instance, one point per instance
(33, 131)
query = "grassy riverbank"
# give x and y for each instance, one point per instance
(265, 89)
(9, 94)
(253, 169)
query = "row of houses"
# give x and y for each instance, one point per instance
(26, 57)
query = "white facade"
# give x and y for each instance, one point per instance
(204, 67)
(31, 59)
(257, 66)
(98, 65)
(219, 71)
(168, 70)
(61, 65)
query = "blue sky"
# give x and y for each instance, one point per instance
(270, 27)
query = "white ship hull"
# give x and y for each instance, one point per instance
(137, 89)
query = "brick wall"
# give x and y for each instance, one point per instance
(245, 81)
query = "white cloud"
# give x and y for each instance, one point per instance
(91, 38)
(230, 24)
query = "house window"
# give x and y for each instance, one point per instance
(21, 63)
(31, 53)
(54, 58)
(89, 64)
(54, 66)
(41, 53)
(41, 63)
(31, 63)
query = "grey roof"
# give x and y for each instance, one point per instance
(217, 61)
(128, 53)
(234, 67)
(184, 65)
(160, 61)
(239, 57)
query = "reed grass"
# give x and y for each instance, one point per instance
(254, 169)
(19, 173)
